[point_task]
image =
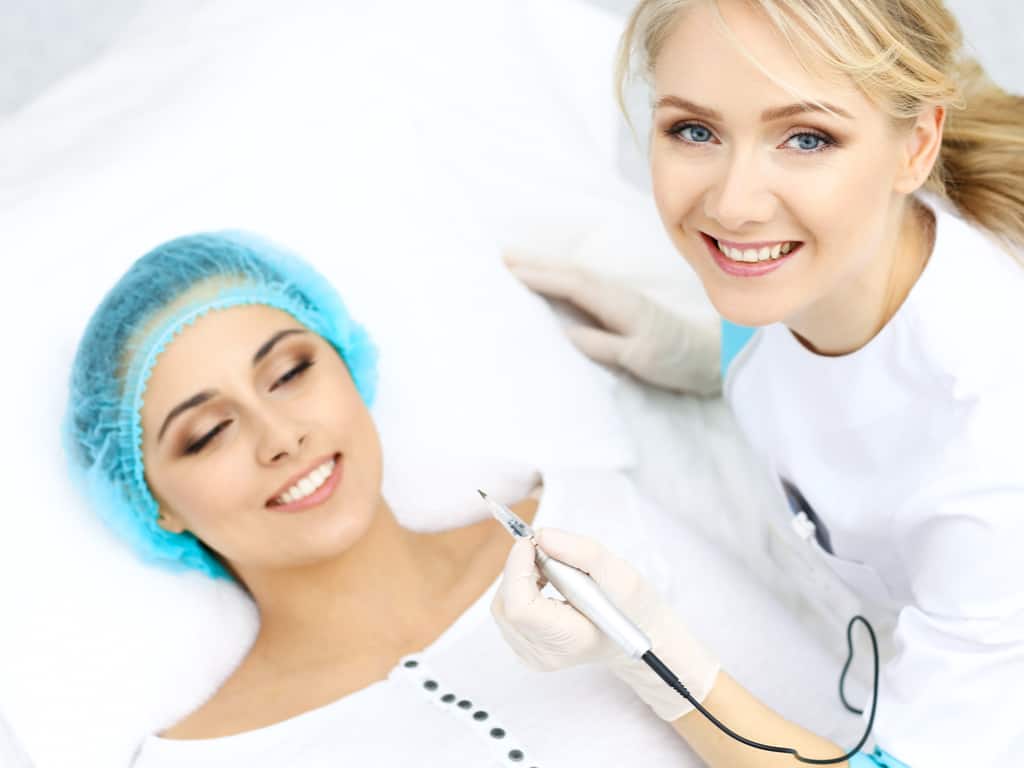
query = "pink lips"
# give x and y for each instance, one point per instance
(745, 269)
(319, 496)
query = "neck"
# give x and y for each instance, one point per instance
(388, 595)
(853, 314)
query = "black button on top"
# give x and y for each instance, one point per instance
(448, 698)
(479, 715)
(498, 733)
(465, 704)
(430, 685)
(515, 755)
(410, 664)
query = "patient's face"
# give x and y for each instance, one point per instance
(256, 440)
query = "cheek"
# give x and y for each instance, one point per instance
(676, 188)
(845, 210)
(200, 495)
(674, 185)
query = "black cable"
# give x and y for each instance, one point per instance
(666, 674)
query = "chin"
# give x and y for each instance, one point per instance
(749, 311)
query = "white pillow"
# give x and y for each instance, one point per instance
(279, 122)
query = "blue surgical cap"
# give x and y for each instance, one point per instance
(139, 317)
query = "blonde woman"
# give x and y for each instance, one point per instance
(847, 187)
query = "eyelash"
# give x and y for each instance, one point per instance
(828, 142)
(196, 446)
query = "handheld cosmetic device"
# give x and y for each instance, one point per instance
(578, 588)
(583, 593)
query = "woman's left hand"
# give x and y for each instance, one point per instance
(550, 634)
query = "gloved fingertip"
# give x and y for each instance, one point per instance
(552, 537)
(520, 557)
(579, 551)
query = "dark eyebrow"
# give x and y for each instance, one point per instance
(206, 395)
(268, 345)
(192, 402)
(774, 113)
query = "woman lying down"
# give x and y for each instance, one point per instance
(219, 418)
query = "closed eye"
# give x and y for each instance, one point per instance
(295, 372)
(198, 445)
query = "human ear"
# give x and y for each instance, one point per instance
(169, 521)
(921, 150)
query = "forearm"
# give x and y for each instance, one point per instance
(748, 716)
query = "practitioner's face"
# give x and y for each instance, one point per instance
(241, 408)
(730, 164)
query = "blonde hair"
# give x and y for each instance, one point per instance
(905, 55)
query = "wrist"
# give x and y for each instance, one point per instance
(692, 663)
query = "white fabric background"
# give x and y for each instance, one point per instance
(564, 205)
(43, 42)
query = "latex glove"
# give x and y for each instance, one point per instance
(653, 343)
(550, 634)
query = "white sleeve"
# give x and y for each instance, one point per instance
(953, 695)
(11, 755)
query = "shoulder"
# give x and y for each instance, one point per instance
(228, 711)
(966, 311)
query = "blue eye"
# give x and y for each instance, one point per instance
(695, 133)
(809, 142)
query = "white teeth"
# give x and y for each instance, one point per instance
(756, 254)
(308, 484)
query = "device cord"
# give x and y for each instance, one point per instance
(667, 675)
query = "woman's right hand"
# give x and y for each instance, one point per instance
(637, 334)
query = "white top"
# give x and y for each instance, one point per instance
(11, 755)
(909, 453)
(579, 717)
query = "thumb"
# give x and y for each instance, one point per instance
(598, 345)
(611, 572)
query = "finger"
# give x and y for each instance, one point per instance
(588, 555)
(578, 551)
(518, 589)
(598, 345)
(518, 257)
(613, 306)
(515, 639)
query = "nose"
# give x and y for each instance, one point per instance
(741, 196)
(280, 437)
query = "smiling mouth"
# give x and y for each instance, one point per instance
(307, 485)
(751, 253)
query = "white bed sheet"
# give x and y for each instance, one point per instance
(548, 191)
